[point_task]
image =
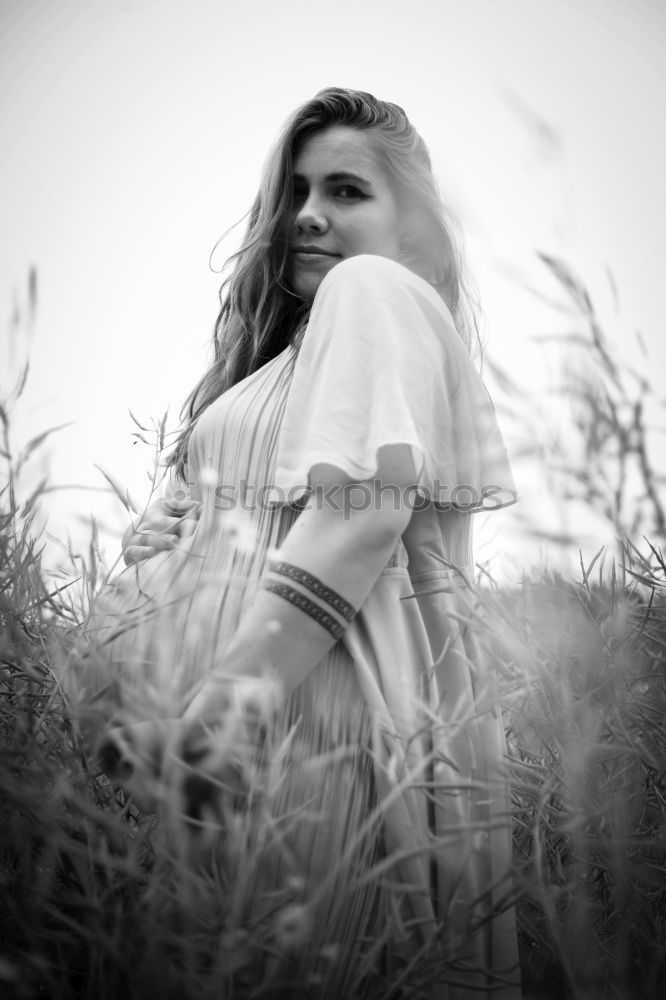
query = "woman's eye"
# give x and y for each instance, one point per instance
(348, 192)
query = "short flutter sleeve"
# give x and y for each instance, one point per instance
(381, 363)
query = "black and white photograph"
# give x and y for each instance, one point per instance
(332, 500)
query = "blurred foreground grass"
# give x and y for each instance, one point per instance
(96, 902)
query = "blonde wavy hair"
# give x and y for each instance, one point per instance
(259, 313)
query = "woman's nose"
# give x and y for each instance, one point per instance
(311, 217)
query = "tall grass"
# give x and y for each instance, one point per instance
(585, 705)
(98, 900)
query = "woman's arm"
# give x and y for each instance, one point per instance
(346, 549)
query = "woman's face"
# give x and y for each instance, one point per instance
(343, 205)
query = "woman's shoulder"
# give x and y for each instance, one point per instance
(370, 274)
(368, 266)
(395, 309)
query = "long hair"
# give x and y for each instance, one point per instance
(259, 314)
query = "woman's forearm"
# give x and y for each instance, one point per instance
(346, 551)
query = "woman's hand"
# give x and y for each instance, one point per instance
(198, 766)
(163, 524)
(133, 756)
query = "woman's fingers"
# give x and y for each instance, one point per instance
(180, 508)
(159, 529)
(132, 756)
(156, 758)
(137, 553)
(159, 540)
(164, 514)
(158, 521)
(144, 544)
(203, 771)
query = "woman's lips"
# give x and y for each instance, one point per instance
(314, 256)
(314, 253)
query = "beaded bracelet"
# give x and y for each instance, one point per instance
(304, 603)
(315, 585)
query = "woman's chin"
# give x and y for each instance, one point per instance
(306, 281)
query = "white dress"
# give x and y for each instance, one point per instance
(399, 717)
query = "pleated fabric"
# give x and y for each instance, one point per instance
(391, 752)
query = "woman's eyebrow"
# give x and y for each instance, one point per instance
(343, 175)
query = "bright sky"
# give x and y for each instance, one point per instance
(132, 134)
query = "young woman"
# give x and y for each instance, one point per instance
(312, 564)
